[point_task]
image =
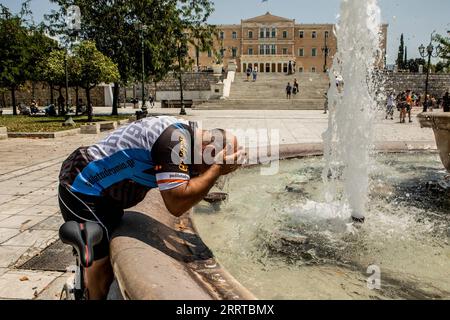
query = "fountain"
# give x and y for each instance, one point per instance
(288, 236)
(348, 140)
(440, 123)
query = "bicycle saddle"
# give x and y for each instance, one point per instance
(82, 237)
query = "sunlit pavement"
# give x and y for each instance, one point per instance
(29, 213)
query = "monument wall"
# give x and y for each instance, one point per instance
(40, 91)
(399, 82)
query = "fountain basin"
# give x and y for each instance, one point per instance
(279, 237)
(440, 123)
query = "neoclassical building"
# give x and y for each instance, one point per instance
(271, 42)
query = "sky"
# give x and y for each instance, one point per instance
(417, 19)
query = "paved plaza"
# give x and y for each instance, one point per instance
(29, 213)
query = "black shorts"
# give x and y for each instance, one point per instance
(101, 210)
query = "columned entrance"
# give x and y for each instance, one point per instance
(267, 63)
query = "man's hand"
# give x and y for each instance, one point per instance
(229, 161)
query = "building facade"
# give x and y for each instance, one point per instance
(271, 42)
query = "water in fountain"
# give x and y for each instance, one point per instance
(352, 105)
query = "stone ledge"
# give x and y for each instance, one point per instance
(156, 256)
(108, 125)
(44, 135)
(91, 128)
(3, 133)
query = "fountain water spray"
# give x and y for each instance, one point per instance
(352, 104)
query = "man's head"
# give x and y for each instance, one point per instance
(213, 142)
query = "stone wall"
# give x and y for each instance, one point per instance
(438, 83)
(41, 94)
(196, 86)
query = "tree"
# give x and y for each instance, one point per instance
(53, 71)
(14, 57)
(112, 25)
(445, 53)
(412, 65)
(92, 68)
(401, 53)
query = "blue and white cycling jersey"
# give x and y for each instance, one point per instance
(131, 161)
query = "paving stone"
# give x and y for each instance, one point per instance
(10, 254)
(53, 290)
(51, 223)
(10, 209)
(33, 238)
(40, 210)
(6, 234)
(33, 282)
(21, 222)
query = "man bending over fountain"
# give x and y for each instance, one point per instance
(98, 182)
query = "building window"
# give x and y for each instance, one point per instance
(285, 51)
(261, 50)
(250, 34)
(301, 34)
(222, 35)
(274, 33)
(274, 49)
(234, 35)
(267, 33)
(250, 51)
(314, 35)
(285, 34)
(261, 33)
(222, 52)
(327, 34)
(267, 49)
(301, 52)
(313, 69)
(209, 54)
(234, 52)
(314, 52)
(300, 69)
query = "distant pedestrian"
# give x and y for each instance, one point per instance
(296, 86)
(249, 73)
(446, 102)
(390, 105)
(255, 73)
(288, 90)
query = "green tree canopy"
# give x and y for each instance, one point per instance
(444, 42)
(115, 27)
(91, 68)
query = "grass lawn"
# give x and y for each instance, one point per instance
(47, 124)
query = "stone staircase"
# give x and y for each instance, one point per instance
(268, 93)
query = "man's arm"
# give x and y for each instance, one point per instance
(181, 199)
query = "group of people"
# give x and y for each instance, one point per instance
(408, 99)
(292, 89)
(252, 72)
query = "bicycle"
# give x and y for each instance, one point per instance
(82, 237)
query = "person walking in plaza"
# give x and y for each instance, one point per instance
(255, 73)
(446, 102)
(390, 106)
(249, 73)
(409, 104)
(296, 86)
(288, 90)
(401, 102)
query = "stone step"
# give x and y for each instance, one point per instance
(267, 104)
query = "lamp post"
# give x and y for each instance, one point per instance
(142, 27)
(430, 51)
(326, 51)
